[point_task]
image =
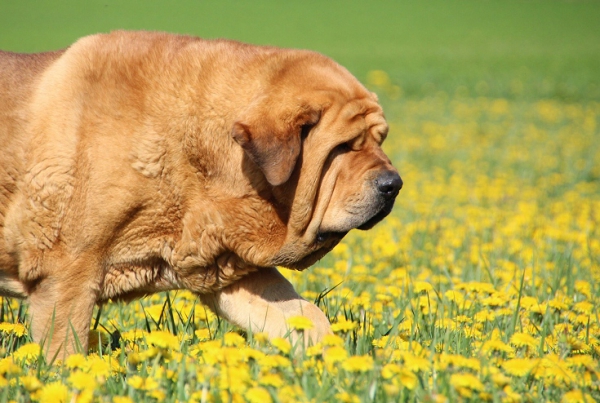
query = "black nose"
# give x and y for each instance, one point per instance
(389, 184)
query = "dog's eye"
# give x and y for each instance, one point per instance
(342, 148)
(322, 237)
(305, 130)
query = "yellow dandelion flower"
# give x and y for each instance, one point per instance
(524, 340)
(422, 286)
(585, 307)
(363, 300)
(519, 366)
(484, 316)
(577, 345)
(253, 354)
(496, 335)
(346, 397)
(97, 366)
(122, 399)
(273, 380)
(314, 350)
(463, 319)
(133, 335)
(390, 370)
(228, 396)
(8, 366)
(258, 395)
(233, 340)
(478, 287)
(261, 337)
(202, 334)
(81, 381)
(332, 340)
(399, 374)
(28, 352)
(76, 361)
(362, 363)
(414, 347)
(30, 382)
(54, 392)
(344, 325)
(552, 366)
(500, 379)
(408, 379)
(581, 319)
(584, 288)
(527, 302)
(85, 396)
(378, 78)
(281, 344)
(299, 323)
(391, 390)
(576, 396)
(415, 363)
(157, 394)
(563, 328)
(495, 300)
(445, 323)
(465, 384)
(341, 250)
(290, 394)
(137, 382)
(444, 361)
(539, 308)
(584, 361)
(16, 329)
(134, 358)
(382, 342)
(496, 346)
(511, 395)
(234, 378)
(335, 354)
(427, 304)
(588, 379)
(273, 361)
(155, 311)
(162, 339)
(558, 304)
(455, 296)
(309, 365)
(503, 312)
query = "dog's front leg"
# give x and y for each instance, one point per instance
(61, 306)
(262, 301)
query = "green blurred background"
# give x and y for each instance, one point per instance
(512, 49)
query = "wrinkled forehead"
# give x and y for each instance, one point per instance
(365, 115)
(338, 95)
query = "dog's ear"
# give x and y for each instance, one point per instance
(271, 137)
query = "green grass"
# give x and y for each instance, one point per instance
(531, 49)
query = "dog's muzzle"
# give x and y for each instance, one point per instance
(388, 185)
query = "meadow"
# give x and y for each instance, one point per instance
(483, 285)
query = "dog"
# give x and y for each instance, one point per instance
(139, 162)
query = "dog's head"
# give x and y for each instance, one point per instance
(316, 135)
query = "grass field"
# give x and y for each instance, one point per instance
(483, 284)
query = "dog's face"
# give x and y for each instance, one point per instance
(317, 136)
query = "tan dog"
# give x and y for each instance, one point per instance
(137, 162)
